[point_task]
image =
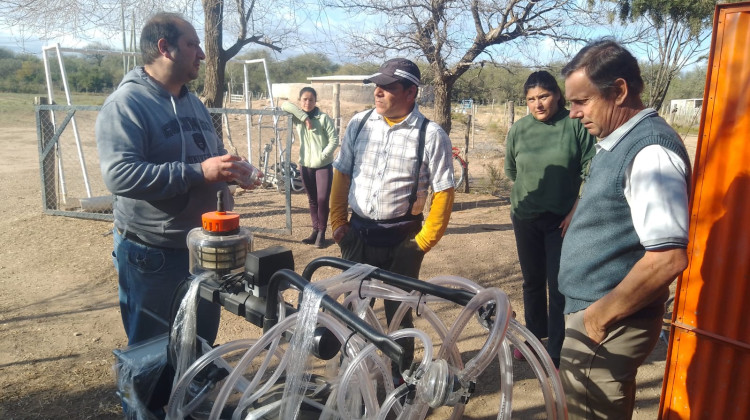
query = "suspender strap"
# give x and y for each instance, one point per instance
(362, 123)
(420, 156)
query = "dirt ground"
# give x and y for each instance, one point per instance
(60, 321)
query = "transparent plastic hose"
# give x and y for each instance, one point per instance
(183, 334)
(179, 391)
(266, 409)
(271, 338)
(353, 376)
(357, 272)
(266, 340)
(357, 363)
(392, 400)
(506, 382)
(544, 369)
(300, 347)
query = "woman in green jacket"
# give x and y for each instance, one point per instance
(546, 153)
(318, 140)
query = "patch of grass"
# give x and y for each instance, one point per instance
(16, 107)
(19, 107)
(685, 130)
(460, 117)
(497, 130)
(13, 102)
(94, 99)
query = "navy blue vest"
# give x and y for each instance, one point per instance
(601, 245)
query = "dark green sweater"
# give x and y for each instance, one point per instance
(545, 160)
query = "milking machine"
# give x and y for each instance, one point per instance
(328, 355)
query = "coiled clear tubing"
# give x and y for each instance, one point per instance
(353, 376)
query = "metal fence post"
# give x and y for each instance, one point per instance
(45, 133)
(469, 129)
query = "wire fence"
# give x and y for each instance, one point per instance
(72, 184)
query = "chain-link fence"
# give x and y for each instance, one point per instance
(72, 184)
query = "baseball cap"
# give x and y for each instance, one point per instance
(394, 70)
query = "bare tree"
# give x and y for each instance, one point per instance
(82, 19)
(677, 46)
(676, 38)
(449, 34)
(250, 21)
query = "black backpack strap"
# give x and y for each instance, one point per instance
(362, 123)
(420, 156)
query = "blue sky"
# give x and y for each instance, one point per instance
(14, 41)
(33, 46)
(314, 25)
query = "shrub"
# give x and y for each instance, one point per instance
(497, 183)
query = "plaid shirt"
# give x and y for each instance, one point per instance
(383, 160)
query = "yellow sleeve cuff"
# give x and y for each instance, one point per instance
(437, 221)
(339, 201)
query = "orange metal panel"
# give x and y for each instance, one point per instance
(708, 361)
(708, 380)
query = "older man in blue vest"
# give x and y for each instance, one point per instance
(628, 238)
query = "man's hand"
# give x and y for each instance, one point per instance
(413, 246)
(649, 279)
(339, 233)
(568, 217)
(222, 168)
(597, 333)
(565, 223)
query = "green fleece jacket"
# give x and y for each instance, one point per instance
(545, 161)
(318, 143)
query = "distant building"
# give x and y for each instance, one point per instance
(351, 89)
(339, 78)
(684, 111)
(685, 107)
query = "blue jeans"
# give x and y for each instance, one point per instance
(539, 243)
(148, 279)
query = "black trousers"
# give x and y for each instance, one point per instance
(539, 242)
(404, 258)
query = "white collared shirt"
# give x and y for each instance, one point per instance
(656, 190)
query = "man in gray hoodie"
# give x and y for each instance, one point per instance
(162, 159)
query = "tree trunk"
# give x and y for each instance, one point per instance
(443, 104)
(658, 94)
(213, 88)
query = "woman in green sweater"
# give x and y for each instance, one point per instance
(546, 153)
(318, 140)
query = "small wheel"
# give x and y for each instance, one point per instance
(297, 185)
(295, 180)
(459, 172)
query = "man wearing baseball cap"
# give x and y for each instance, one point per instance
(388, 160)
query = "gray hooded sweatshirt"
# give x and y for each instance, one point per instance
(151, 146)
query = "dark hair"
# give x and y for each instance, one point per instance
(605, 61)
(308, 89)
(543, 79)
(407, 84)
(161, 25)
